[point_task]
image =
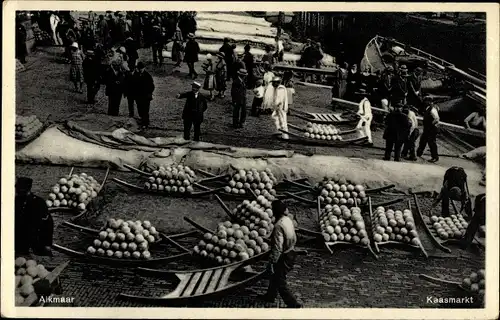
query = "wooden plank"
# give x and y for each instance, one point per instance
(203, 282)
(184, 277)
(224, 278)
(329, 71)
(215, 280)
(192, 284)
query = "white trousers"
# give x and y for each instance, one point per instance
(366, 128)
(280, 121)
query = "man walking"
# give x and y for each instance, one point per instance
(34, 226)
(365, 114)
(429, 135)
(282, 258)
(143, 86)
(396, 132)
(228, 51)
(195, 107)
(410, 144)
(239, 99)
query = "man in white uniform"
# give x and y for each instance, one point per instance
(365, 112)
(280, 106)
(54, 21)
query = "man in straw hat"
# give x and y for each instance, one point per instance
(191, 52)
(34, 226)
(280, 106)
(194, 108)
(239, 98)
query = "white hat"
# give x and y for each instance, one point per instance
(276, 79)
(209, 56)
(74, 45)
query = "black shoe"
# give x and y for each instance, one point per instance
(265, 298)
(45, 251)
(295, 306)
(434, 160)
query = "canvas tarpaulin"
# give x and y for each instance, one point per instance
(74, 146)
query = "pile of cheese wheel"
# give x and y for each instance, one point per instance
(27, 126)
(171, 179)
(390, 225)
(322, 132)
(27, 272)
(75, 191)
(452, 227)
(475, 283)
(261, 183)
(231, 243)
(340, 223)
(341, 191)
(125, 239)
(256, 215)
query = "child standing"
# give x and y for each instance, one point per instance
(258, 98)
(76, 70)
(290, 90)
(209, 83)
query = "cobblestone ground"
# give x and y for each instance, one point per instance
(349, 277)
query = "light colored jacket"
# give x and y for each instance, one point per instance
(283, 238)
(281, 99)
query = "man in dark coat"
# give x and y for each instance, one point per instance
(147, 27)
(21, 50)
(195, 107)
(239, 99)
(415, 88)
(157, 44)
(92, 75)
(385, 86)
(143, 88)
(429, 134)
(248, 60)
(103, 30)
(228, 51)
(115, 85)
(34, 226)
(397, 128)
(238, 64)
(400, 88)
(131, 49)
(191, 52)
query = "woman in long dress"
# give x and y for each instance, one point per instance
(209, 83)
(220, 75)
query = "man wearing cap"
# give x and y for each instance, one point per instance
(191, 52)
(397, 127)
(415, 88)
(92, 75)
(131, 49)
(157, 44)
(429, 134)
(33, 223)
(194, 108)
(142, 90)
(385, 87)
(228, 51)
(365, 114)
(400, 88)
(280, 106)
(239, 99)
